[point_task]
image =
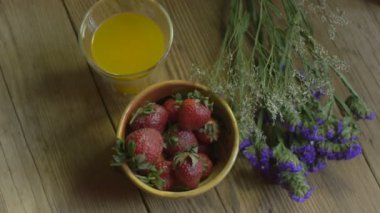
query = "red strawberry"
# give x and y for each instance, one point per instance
(172, 106)
(208, 133)
(166, 174)
(147, 142)
(193, 114)
(151, 115)
(179, 141)
(207, 165)
(188, 169)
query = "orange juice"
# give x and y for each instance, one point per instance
(127, 43)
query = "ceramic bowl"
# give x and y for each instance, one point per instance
(226, 148)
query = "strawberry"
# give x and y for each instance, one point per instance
(208, 133)
(166, 174)
(207, 165)
(179, 141)
(193, 115)
(151, 115)
(188, 169)
(146, 143)
(172, 106)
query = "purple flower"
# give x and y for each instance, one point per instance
(306, 153)
(353, 151)
(267, 119)
(332, 155)
(305, 132)
(289, 166)
(317, 166)
(354, 138)
(339, 127)
(318, 94)
(303, 198)
(330, 134)
(291, 128)
(342, 140)
(320, 121)
(370, 117)
(245, 143)
(314, 136)
(322, 152)
(265, 155)
(311, 134)
(350, 151)
(251, 158)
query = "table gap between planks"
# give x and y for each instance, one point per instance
(58, 119)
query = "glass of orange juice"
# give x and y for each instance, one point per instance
(125, 40)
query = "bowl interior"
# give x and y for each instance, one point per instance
(226, 148)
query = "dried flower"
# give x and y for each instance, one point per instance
(359, 108)
(302, 198)
(306, 154)
(275, 90)
(317, 166)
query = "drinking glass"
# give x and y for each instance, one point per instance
(104, 9)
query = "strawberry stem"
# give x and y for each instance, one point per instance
(203, 99)
(144, 110)
(192, 154)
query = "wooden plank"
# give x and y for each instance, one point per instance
(339, 188)
(19, 173)
(174, 68)
(7, 187)
(66, 127)
(342, 187)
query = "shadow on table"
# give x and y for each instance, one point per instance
(79, 139)
(374, 2)
(97, 181)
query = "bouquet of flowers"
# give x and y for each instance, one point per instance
(278, 80)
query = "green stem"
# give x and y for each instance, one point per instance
(260, 119)
(307, 112)
(342, 105)
(330, 109)
(267, 64)
(258, 29)
(346, 83)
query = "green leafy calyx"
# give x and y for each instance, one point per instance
(191, 154)
(147, 109)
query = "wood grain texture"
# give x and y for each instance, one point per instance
(57, 123)
(20, 181)
(63, 119)
(338, 189)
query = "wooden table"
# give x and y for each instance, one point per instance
(57, 118)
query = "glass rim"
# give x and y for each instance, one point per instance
(139, 74)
